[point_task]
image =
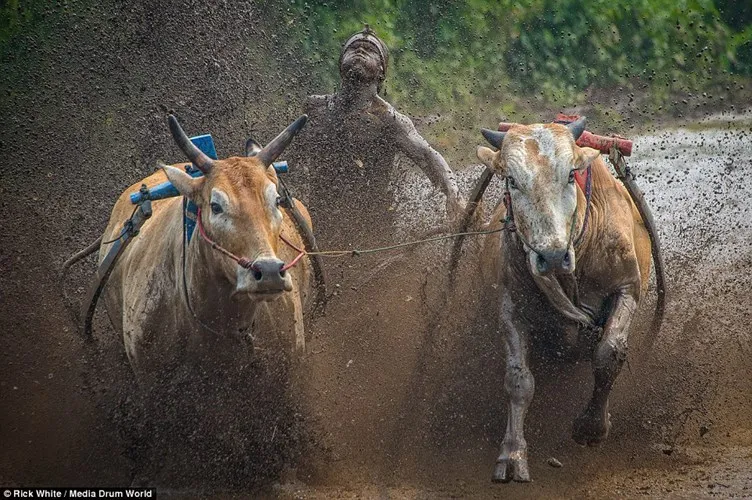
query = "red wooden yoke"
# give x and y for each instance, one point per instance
(600, 142)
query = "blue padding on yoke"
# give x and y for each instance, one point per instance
(206, 144)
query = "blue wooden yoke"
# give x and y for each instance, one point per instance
(166, 190)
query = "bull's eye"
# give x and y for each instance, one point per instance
(216, 208)
(571, 176)
(512, 182)
(279, 201)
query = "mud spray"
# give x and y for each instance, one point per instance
(401, 390)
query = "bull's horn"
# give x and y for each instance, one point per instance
(252, 147)
(197, 157)
(272, 150)
(577, 127)
(494, 137)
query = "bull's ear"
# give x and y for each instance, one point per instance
(488, 157)
(252, 147)
(186, 185)
(583, 157)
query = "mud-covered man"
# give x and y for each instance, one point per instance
(344, 160)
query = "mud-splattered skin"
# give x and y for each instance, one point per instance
(342, 161)
(611, 267)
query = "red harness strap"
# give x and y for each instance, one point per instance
(300, 251)
(581, 178)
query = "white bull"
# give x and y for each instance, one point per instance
(573, 262)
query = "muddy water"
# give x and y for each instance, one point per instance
(425, 422)
(403, 380)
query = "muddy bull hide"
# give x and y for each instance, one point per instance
(570, 267)
(175, 301)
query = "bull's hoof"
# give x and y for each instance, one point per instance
(590, 428)
(511, 468)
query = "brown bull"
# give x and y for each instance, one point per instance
(566, 268)
(174, 303)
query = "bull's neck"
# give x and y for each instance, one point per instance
(600, 175)
(210, 292)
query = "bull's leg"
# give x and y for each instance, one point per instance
(593, 425)
(520, 386)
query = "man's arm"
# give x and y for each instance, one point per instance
(415, 147)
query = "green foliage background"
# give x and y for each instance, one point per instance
(450, 54)
(447, 52)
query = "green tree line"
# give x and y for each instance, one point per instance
(450, 52)
(447, 50)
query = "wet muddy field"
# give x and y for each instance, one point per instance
(402, 383)
(400, 394)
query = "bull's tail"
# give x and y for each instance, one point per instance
(90, 249)
(625, 175)
(660, 281)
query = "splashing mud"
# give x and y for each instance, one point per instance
(401, 392)
(407, 381)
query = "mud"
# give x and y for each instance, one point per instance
(401, 390)
(434, 419)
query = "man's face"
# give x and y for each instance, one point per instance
(362, 62)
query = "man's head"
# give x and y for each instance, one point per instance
(364, 58)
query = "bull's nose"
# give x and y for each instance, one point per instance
(269, 274)
(552, 260)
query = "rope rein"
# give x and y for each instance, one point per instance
(509, 225)
(356, 252)
(248, 264)
(242, 261)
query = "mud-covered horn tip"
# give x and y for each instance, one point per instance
(577, 127)
(197, 157)
(271, 151)
(495, 138)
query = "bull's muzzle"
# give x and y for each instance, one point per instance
(266, 276)
(550, 261)
(269, 275)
